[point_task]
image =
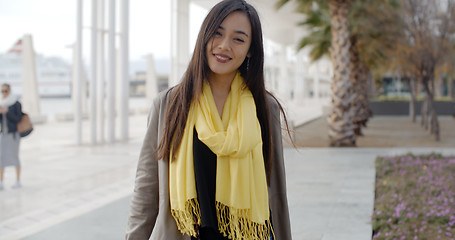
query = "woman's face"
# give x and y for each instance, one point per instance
(5, 91)
(227, 49)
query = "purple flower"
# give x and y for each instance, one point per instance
(418, 195)
(377, 235)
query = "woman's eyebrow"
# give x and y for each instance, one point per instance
(241, 32)
(236, 31)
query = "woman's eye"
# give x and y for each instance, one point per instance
(217, 33)
(239, 40)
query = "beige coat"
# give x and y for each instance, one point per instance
(150, 212)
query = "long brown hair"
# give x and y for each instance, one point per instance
(252, 70)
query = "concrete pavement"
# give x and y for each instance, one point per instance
(61, 180)
(83, 192)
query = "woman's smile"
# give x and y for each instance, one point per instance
(222, 58)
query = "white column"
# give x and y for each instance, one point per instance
(267, 76)
(100, 71)
(124, 58)
(75, 92)
(275, 76)
(118, 88)
(111, 75)
(151, 84)
(283, 78)
(179, 40)
(84, 90)
(317, 79)
(78, 93)
(30, 96)
(299, 88)
(273, 68)
(93, 74)
(305, 68)
(303, 72)
(77, 82)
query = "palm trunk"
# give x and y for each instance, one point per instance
(365, 112)
(356, 82)
(341, 130)
(372, 88)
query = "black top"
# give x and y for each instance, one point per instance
(13, 116)
(205, 174)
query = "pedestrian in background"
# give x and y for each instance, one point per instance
(211, 165)
(10, 115)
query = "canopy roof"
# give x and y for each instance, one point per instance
(279, 25)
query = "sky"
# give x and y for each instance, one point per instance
(52, 24)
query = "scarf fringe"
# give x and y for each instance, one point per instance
(188, 219)
(236, 224)
(232, 223)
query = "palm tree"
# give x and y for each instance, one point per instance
(373, 31)
(341, 127)
(341, 130)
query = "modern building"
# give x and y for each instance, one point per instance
(397, 86)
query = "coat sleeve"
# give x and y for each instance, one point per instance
(14, 113)
(145, 201)
(277, 191)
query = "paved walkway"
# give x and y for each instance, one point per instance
(382, 131)
(83, 192)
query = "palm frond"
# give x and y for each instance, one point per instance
(281, 3)
(319, 41)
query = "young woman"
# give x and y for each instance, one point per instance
(211, 166)
(10, 115)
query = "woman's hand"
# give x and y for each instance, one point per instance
(3, 110)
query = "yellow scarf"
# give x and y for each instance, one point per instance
(242, 204)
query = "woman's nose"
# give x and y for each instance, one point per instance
(224, 43)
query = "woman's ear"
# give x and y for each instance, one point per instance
(249, 54)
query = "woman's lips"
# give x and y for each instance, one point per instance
(222, 58)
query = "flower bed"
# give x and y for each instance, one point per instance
(415, 198)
